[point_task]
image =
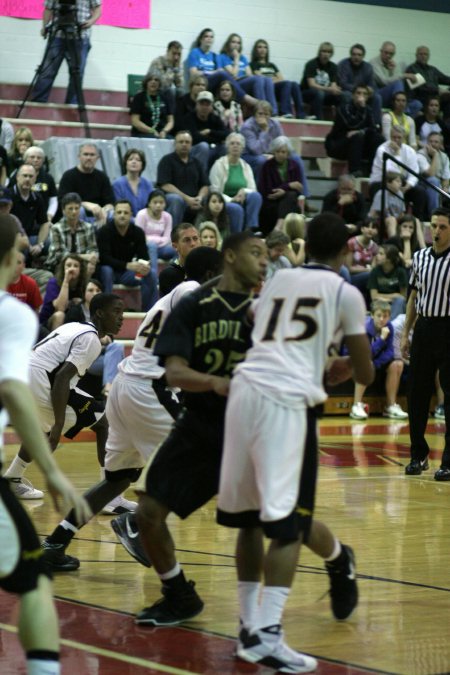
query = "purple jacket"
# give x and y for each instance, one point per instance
(382, 350)
(257, 141)
(269, 178)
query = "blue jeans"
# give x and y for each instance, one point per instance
(262, 88)
(388, 92)
(288, 92)
(149, 291)
(433, 197)
(244, 216)
(105, 366)
(214, 80)
(207, 154)
(57, 52)
(317, 98)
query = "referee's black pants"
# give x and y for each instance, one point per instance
(430, 352)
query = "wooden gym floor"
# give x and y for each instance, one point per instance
(399, 527)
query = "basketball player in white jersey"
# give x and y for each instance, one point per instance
(140, 410)
(56, 365)
(270, 455)
(21, 568)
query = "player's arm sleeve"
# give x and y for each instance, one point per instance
(352, 311)
(83, 352)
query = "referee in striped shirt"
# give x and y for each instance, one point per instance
(428, 311)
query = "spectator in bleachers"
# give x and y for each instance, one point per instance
(124, 255)
(434, 166)
(408, 238)
(23, 139)
(186, 103)
(295, 227)
(397, 116)
(207, 130)
(287, 92)
(23, 287)
(259, 131)
(210, 235)
(45, 183)
(215, 210)
(320, 84)
(152, 109)
(72, 235)
(355, 71)
(432, 76)
(354, 136)
(346, 201)
(171, 69)
(6, 204)
(202, 60)
(380, 332)
(226, 106)
(91, 184)
(413, 193)
(105, 366)
(431, 120)
(67, 284)
(183, 179)
(394, 204)
(233, 177)
(390, 76)
(3, 166)
(185, 237)
(277, 243)
(6, 134)
(280, 184)
(29, 208)
(156, 223)
(388, 279)
(233, 61)
(363, 250)
(132, 185)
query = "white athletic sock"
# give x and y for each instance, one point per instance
(270, 610)
(17, 468)
(38, 667)
(249, 592)
(102, 473)
(174, 572)
(68, 526)
(336, 551)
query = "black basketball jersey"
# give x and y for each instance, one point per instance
(208, 328)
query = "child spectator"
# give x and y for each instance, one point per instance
(294, 228)
(226, 106)
(408, 238)
(277, 243)
(380, 332)
(214, 210)
(394, 205)
(388, 280)
(362, 253)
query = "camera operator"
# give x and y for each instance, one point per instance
(67, 26)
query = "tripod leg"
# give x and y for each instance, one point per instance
(73, 59)
(45, 74)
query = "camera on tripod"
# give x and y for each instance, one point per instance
(64, 17)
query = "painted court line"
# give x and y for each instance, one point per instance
(91, 649)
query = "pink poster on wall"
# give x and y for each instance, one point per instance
(121, 13)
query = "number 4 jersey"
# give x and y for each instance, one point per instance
(300, 319)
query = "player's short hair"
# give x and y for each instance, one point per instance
(102, 301)
(235, 241)
(326, 236)
(8, 233)
(380, 305)
(203, 262)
